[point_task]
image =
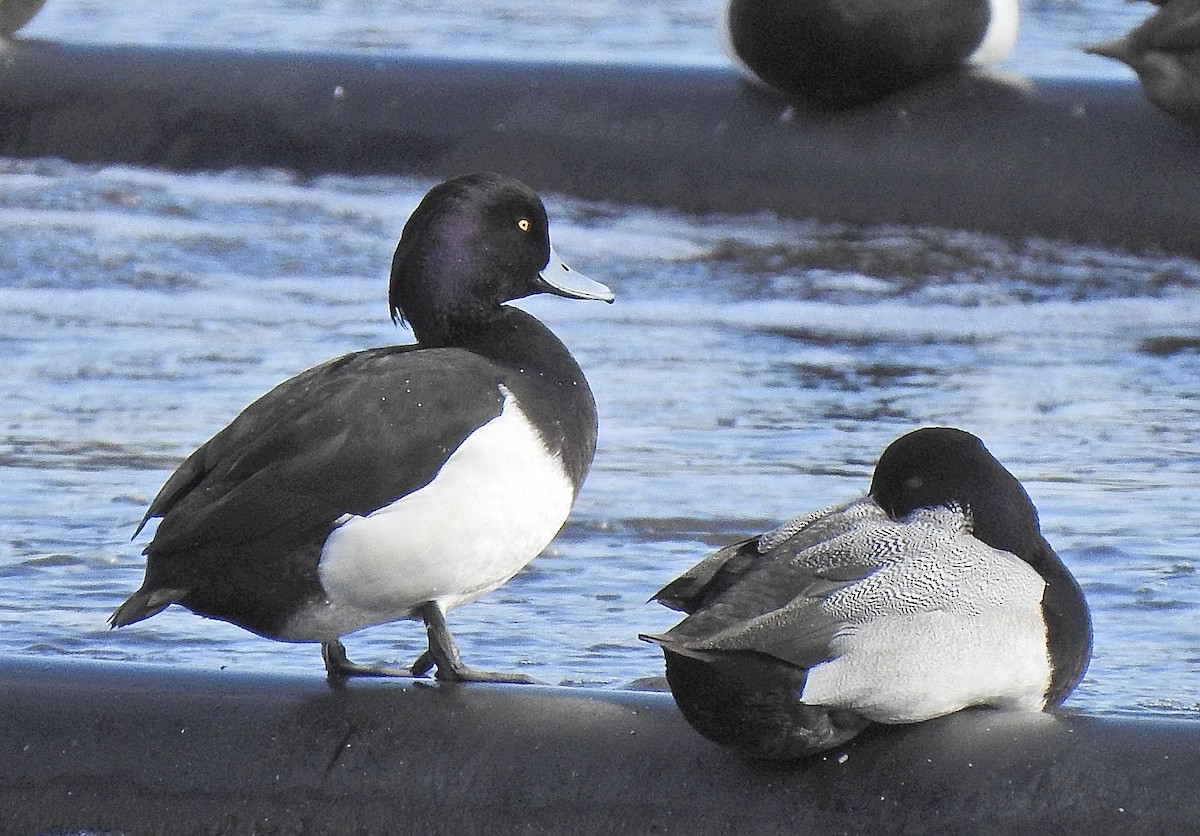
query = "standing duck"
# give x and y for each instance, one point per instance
(1164, 51)
(934, 592)
(398, 482)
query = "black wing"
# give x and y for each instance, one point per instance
(346, 437)
(764, 594)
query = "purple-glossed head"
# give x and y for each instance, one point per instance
(474, 243)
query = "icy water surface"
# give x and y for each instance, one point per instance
(752, 368)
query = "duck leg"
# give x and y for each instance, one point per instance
(423, 665)
(444, 653)
(338, 667)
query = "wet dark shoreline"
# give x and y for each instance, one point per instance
(1087, 161)
(105, 748)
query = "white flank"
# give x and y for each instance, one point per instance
(952, 623)
(1001, 35)
(909, 668)
(495, 505)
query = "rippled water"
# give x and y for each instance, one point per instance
(752, 368)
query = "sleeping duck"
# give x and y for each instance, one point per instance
(934, 592)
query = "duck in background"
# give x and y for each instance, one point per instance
(848, 52)
(1164, 51)
(16, 13)
(398, 482)
(934, 592)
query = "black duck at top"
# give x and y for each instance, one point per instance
(395, 482)
(847, 52)
(934, 592)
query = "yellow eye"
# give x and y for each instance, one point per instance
(524, 224)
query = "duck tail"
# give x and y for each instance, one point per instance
(1117, 50)
(143, 604)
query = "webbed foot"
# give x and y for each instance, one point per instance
(339, 668)
(443, 652)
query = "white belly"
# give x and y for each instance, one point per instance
(495, 505)
(954, 623)
(912, 668)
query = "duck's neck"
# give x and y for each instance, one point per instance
(543, 376)
(509, 337)
(1068, 625)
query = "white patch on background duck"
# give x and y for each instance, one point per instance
(1001, 34)
(495, 504)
